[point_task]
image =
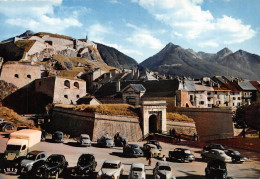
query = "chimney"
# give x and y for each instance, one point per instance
(137, 73)
(118, 86)
(133, 73)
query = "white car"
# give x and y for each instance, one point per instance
(137, 171)
(111, 169)
(163, 169)
(216, 154)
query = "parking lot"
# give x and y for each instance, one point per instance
(250, 169)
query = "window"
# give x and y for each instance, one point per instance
(16, 76)
(201, 102)
(76, 84)
(234, 98)
(66, 96)
(209, 94)
(40, 83)
(77, 96)
(191, 97)
(29, 76)
(216, 92)
(218, 96)
(238, 98)
(67, 83)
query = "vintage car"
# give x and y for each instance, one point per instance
(155, 142)
(137, 171)
(216, 169)
(111, 169)
(216, 154)
(105, 141)
(32, 162)
(133, 150)
(53, 167)
(236, 156)
(155, 151)
(120, 141)
(163, 169)
(84, 140)
(181, 154)
(58, 137)
(4, 126)
(86, 165)
(213, 146)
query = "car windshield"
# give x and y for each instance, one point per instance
(165, 168)
(84, 137)
(85, 160)
(31, 157)
(187, 152)
(52, 161)
(108, 138)
(236, 152)
(137, 169)
(109, 165)
(13, 147)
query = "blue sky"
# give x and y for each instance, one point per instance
(140, 28)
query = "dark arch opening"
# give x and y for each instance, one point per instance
(152, 124)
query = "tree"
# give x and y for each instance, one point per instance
(239, 118)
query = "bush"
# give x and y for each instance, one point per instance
(178, 117)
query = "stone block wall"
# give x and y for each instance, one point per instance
(211, 123)
(77, 122)
(181, 127)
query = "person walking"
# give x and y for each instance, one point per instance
(149, 157)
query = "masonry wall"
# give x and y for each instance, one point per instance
(181, 127)
(20, 74)
(78, 122)
(211, 123)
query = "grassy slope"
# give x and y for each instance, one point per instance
(178, 117)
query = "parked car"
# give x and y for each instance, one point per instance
(43, 136)
(86, 165)
(32, 162)
(54, 166)
(84, 140)
(213, 146)
(105, 141)
(133, 150)
(181, 154)
(155, 151)
(4, 126)
(216, 169)
(163, 169)
(22, 127)
(58, 137)
(236, 156)
(137, 171)
(120, 141)
(155, 142)
(216, 154)
(111, 169)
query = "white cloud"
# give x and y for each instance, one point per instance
(188, 20)
(37, 15)
(114, 1)
(97, 32)
(208, 44)
(144, 38)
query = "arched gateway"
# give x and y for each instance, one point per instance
(154, 116)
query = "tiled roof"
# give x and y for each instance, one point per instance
(246, 85)
(256, 84)
(231, 87)
(220, 89)
(155, 88)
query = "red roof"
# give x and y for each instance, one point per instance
(220, 89)
(256, 85)
(232, 87)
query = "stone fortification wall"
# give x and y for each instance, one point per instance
(20, 74)
(211, 123)
(186, 128)
(78, 122)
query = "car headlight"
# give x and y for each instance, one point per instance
(38, 170)
(86, 170)
(53, 172)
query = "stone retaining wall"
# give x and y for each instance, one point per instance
(182, 127)
(96, 125)
(211, 123)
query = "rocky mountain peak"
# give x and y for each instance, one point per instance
(26, 33)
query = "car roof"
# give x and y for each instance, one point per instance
(86, 154)
(163, 163)
(112, 161)
(36, 152)
(182, 148)
(56, 155)
(138, 165)
(58, 132)
(151, 145)
(84, 135)
(220, 151)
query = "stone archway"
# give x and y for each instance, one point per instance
(154, 116)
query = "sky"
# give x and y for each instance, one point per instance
(140, 28)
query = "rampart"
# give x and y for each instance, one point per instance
(211, 123)
(96, 125)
